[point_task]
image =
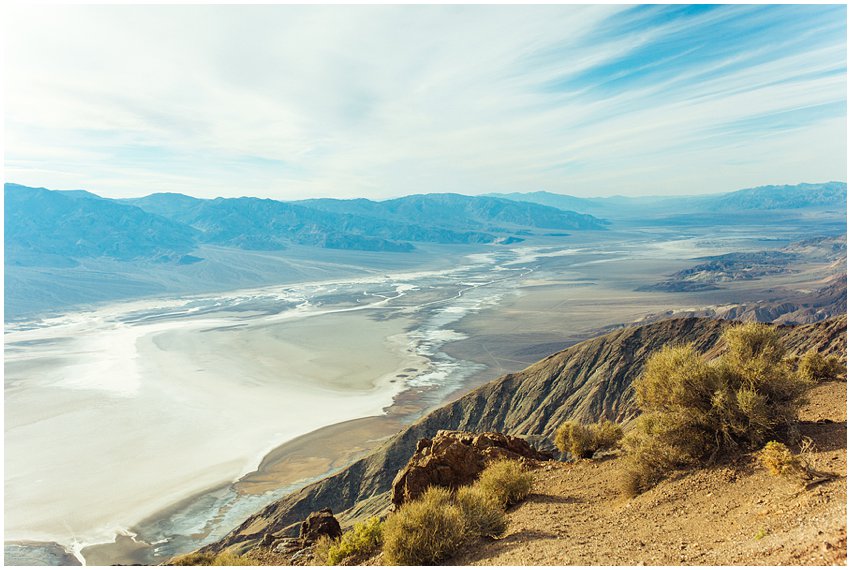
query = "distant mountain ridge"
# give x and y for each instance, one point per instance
(54, 227)
(452, 209)
(827, 195)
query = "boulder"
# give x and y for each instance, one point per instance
(320, 523)
(455, 458)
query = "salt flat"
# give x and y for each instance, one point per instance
(136, 417)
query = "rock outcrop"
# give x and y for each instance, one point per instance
(317, 524)
(455, 458)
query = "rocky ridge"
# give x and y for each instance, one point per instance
(585, 382)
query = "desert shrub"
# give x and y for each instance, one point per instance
(362, 541)
(483, 513)
(193, 559)
(424, 531)
(607, 435)
(507, 481)
(210, 559)
(575, 439)
(693, 410)
(321, 550)
(779, 460)
(228, 559)
(814, 367)
(583, 441)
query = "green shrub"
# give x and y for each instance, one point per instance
(193, 559)
(357, 544)
(210, 559)
(321, 550)
(425, 531)
(507, 481)
(813, 367)
(575, 439)
(582, 441)
(483, 513)
(779, 460)
(693, 411)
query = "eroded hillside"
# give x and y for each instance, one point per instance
(585, 382)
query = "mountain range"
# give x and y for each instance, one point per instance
(827, 196)
(58, 226)
(55, 228)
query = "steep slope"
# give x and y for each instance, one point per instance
(584, 382)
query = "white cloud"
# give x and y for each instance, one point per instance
(293, 101)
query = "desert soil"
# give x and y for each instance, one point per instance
(733, 514)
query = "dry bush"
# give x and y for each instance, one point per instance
(507, 481)
(575, 439)
(193, 559)
(210, 559)
(227, 559)
(813, 367)
(694, 411)
(425, 531)
(483, 513)
(607, 435)
(583, 441)
(779, 460)
(356, 545)
(321, 550)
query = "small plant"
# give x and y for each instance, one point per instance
(760, 534)
(321, 550)
(193, 559)
(425, 531)
(814, 367)
(483, 513)
(210, 559)
(228, 559)
(575, 439)
(582, 441)
(779, 460)
(507, 481)
(357, 544)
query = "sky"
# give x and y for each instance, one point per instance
(292, 102)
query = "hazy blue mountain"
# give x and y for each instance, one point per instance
(43, 226)
(560, 201)
(458, 210)
(832, 195)
(254, 223)
(827, 195)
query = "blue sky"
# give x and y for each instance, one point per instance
(292, 102)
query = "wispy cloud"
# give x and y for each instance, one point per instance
(291, 102)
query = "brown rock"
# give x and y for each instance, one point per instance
(455, 458)
(320, 523)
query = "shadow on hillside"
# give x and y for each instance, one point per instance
(827, 435)
(545, 499)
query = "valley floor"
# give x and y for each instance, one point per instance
(736, 514)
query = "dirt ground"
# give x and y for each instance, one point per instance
(735, 514)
